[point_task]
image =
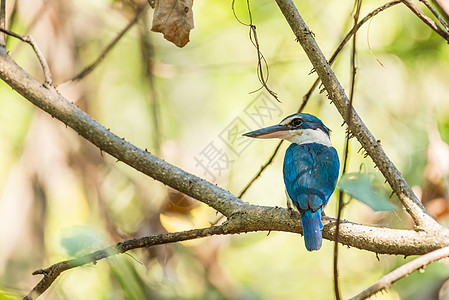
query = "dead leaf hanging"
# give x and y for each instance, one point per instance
(174, 19)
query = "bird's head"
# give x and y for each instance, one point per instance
(298, 128)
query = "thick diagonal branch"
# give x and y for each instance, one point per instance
(336, 93)
(57, 106)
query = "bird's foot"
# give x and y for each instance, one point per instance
(291, 210)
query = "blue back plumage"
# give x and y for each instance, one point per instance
(310, 175)
(311, 168)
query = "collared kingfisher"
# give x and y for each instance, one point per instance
(311, 168)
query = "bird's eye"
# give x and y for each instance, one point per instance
(296, 122)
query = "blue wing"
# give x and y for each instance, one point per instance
(310, 176)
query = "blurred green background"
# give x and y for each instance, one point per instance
(61, 197)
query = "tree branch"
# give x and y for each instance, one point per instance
(57, 106)
(259, 218)
(29, 39)
(53, 272)
(341, 194)
(336, 93)
(404, 270)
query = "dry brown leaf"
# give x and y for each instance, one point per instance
(174, 19)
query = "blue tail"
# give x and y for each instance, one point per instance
(312, 226)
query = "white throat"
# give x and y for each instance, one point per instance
(308, 136)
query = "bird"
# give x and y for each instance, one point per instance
(311, 168)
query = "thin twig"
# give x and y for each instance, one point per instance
(431, 23)
(11, 20)
(36, 18)
(443, 6)
(264, 166)
(52, 273)
(404, 270)
(343, 43)
(261, 61)
(148, 57)
(358, 6)
(359, 24)
(436, 14)
(29, 39)
(140, 9)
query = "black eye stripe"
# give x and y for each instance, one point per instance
(295, 122)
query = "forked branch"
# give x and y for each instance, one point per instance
(43, 62)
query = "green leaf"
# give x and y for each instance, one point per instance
(80, 240)
(358, 186)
